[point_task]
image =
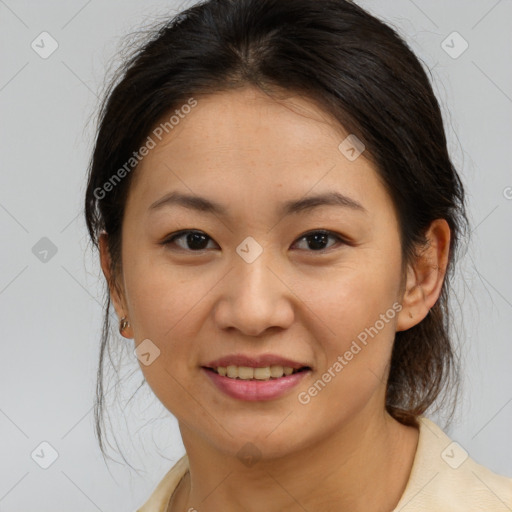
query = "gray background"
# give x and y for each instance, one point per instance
(51, 310)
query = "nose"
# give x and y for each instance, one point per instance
(255, 297)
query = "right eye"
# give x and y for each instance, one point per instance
(196, 240)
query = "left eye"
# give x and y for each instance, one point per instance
(318, 239)
(195, 239)
(198, 240)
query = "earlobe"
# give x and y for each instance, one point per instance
(425, 278)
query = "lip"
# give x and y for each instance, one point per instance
(260, 361)
(254, 390)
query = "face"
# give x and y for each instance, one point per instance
(271, 271)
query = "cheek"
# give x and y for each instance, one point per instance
(159, 296)
(348, 299)
(360, 317)
(355, 313)
(165, 309)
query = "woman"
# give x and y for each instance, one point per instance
(278, 218)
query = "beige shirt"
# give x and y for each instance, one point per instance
(443, 479)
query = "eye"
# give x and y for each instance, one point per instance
(196, 240)
(318, 239)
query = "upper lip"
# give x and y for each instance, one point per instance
(261, 361)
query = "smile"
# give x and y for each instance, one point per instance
(247, 384)
(263, 373)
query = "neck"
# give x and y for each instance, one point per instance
(366, 462)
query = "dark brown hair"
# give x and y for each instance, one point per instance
(354, 67)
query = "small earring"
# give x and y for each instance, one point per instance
(123, 324)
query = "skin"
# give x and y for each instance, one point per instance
(341, 451)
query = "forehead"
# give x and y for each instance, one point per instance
(246, 123)
(245, 144)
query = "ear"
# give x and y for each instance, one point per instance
(115, 295)
(425, 277)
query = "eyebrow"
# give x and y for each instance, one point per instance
(202, 204)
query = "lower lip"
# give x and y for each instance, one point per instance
(254, 390)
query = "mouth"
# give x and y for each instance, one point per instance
(251, 384)
(257, 374)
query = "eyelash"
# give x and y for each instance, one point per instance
(179, 234)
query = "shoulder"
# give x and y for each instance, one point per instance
(160, 497)
(446, 479)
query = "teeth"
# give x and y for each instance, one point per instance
(247, 373)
